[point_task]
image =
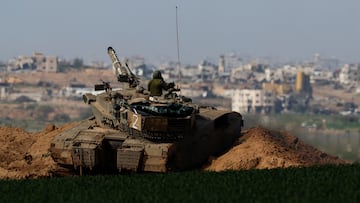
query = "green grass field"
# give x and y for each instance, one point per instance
(293, 121)
(314, 184)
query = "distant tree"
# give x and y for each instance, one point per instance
(64, 66)
(31, 106)
(23, 99)
(78, 63)
(85, 113)
(62, 117)
(43, 112)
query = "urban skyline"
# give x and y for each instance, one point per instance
(278, 29)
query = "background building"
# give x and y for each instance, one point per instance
(252, 101)
(36, 62)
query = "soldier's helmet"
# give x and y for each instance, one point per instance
(157, 75)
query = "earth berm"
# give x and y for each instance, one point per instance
(26, 155)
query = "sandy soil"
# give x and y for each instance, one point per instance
(25, 155)
(260, 148)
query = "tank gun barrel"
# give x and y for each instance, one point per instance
(123, 73)
(115, 61)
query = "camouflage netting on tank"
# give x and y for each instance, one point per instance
(170, 110)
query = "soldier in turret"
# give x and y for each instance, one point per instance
(157, 84)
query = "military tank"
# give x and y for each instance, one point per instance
(132, 131)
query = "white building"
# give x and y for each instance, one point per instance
(273, 75)
(3, 90)
(194, 92)
(321, 75)
(252, 101)
(77, 91)
(349, 73)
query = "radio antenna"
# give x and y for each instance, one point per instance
(177, 43)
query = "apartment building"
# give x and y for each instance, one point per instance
(349, 74)
(36, 62)
(252, 101)
(44, 63)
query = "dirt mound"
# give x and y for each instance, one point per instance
(260, 148)
(26, 155)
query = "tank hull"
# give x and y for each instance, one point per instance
(111, 150)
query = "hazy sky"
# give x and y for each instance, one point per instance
(277, 28)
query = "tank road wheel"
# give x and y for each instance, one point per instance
(62, 171)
